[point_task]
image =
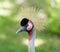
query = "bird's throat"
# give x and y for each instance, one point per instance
(29, 36)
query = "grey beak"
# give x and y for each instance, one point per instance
(21, 29)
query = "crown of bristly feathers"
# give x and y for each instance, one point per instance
(24, 21)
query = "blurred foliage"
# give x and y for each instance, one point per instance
(37, 4)
(53, 23)
(9, 41)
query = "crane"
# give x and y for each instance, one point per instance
(28, 26)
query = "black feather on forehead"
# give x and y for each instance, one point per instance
(24, 21)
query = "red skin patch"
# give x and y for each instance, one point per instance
(29, 28)
(29, 25)
(30, 36)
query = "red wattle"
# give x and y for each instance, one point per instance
(30, 36)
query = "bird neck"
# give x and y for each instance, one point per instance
(30, 36)
(31, 47)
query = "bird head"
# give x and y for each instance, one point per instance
(26, 25)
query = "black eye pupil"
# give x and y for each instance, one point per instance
(24, 21)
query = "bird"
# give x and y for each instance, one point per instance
(28, 26)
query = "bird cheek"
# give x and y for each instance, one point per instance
(29, 28)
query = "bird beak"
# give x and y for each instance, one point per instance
(21, 29)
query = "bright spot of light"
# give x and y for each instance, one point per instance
(38, 42)
(5, 8)
(2, 36)
(6, 4)
(58, 1)
(20, 1)
(52, 3)
(4, 12)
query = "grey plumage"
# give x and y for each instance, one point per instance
(31, 47)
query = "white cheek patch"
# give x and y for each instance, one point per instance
(29, 25)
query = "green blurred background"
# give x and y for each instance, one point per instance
(46, 17)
